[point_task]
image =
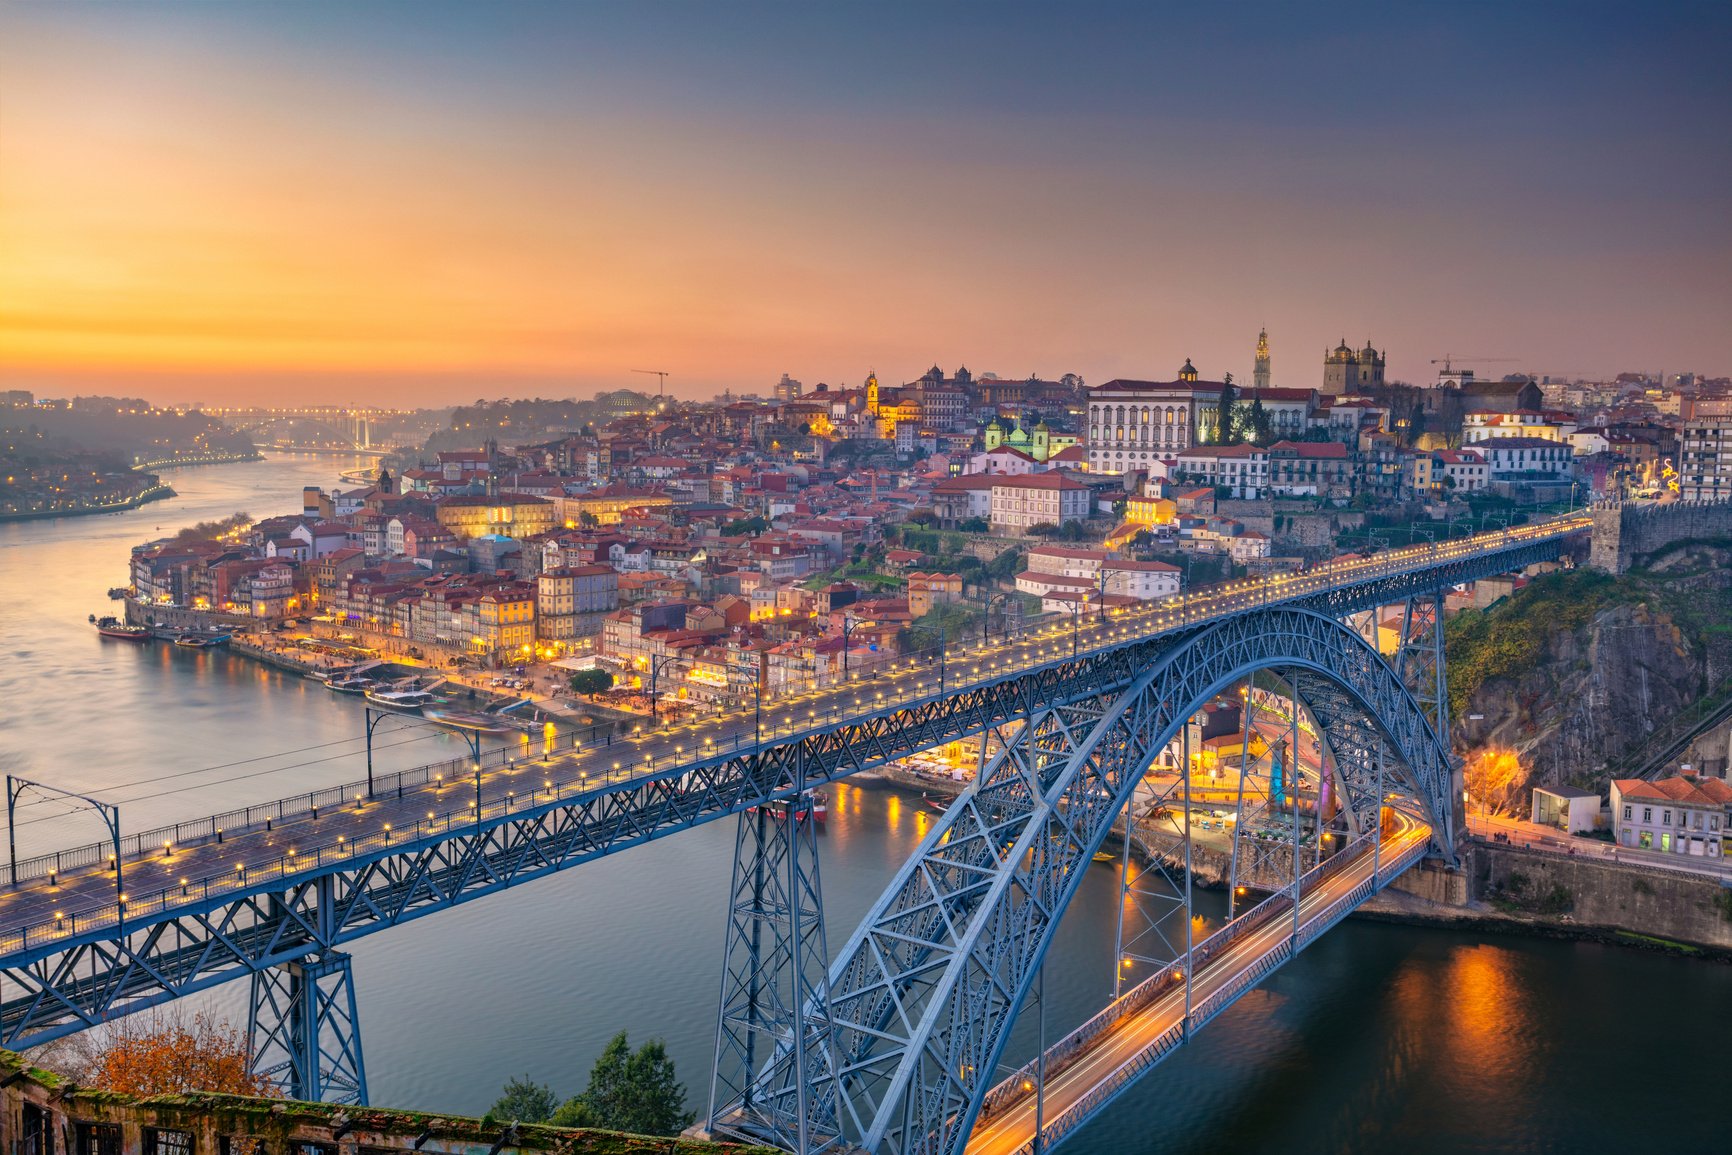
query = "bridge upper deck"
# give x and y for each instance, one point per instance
(59, 899)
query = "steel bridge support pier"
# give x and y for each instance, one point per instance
(1421, 665)
(772, 1033)
(303, 1030)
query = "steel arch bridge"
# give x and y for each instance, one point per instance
(901, 1040)
(71, 956)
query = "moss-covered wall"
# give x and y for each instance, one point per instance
(284, 1125)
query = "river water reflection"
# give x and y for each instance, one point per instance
(1376, 1039)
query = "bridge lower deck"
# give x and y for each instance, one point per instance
(1083, 1078)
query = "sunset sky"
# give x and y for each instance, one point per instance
(432, 202)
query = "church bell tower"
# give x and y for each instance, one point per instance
(1260, 374)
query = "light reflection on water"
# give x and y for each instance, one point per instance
(1377, 1038)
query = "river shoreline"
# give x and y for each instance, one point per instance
(154, 493)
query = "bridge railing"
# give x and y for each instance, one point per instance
(213, 828)
(1223, 997)
(1060, 1054)
(1175, 612)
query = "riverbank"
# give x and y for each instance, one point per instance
(154, 493)
(1513, 890)
(201, 459)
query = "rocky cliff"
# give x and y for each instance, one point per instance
(1578, 670)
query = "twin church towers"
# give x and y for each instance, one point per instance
(1346, 371)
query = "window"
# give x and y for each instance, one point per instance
(167, 1142)
(1647, 814)
(1627, 810)
(1665, 819)
(36, 1134)
(97, 1139)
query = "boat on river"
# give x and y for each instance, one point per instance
(464, 720)
(404, 701)
(813, 804)
(112, 627)
(350, 685)
(202, 641)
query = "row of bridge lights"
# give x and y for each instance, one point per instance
(709, 745)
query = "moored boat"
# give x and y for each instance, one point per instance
(463, 720)
(407, 701)
(115, 628)
(350, 685)
(813, 804)
(201, 641)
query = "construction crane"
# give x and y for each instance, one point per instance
(661, 374)
(1448, 357)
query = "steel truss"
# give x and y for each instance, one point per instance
(303, 1030)
(923, 995)
(775, 976)
(58, 983)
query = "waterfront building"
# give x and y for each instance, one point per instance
(1682, 815)
(572, 601)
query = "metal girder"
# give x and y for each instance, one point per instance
(775, 972)
(923, 996)
(304, 1032)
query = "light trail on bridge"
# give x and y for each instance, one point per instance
(1086, 1070)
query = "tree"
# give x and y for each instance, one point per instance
(636, 1091)
(524, 1101)
(1226, 420)
(162, 1054)
(745, 525)
(1262, 429)
(591, 682)
(1005, 566)
(1043, 529)
(974, 525)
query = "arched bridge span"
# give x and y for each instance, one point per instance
(900, 1052)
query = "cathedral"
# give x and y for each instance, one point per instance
(1349, 371)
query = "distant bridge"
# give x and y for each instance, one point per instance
(892, 1047)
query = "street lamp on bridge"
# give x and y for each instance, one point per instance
(655, 673)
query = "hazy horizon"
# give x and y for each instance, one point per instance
(433, 202)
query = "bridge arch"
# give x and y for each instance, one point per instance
(923, 995)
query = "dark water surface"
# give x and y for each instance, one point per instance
(1376, 1039)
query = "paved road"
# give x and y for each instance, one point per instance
(33, 911)
(1012, 1127)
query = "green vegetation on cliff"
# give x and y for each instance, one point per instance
(1510, 638)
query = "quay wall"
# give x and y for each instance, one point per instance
(43, 1112)
(1522, 890)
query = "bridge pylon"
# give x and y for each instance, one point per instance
(773, 1034)
(1421, 664)
(304, 1032)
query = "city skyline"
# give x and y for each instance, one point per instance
(224, 204)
